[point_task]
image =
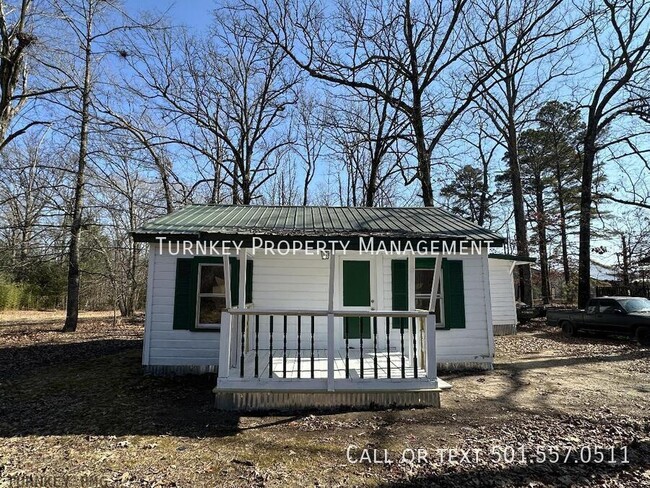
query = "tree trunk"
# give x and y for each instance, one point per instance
(482, 211)
(247, 197)
(235, 184)
(72, 309)
(371, 190)
(417, 120)
(521, 233)
(584, 253)
(305, 192)
(626, 263)
(541, 237)
(424, 159)
(169, 203)
(563, 226)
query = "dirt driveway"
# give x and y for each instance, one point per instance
(76, 409)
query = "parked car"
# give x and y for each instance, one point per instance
(617, 315)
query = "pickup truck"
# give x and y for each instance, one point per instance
(617, 315)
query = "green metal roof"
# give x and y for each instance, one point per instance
(219, 221)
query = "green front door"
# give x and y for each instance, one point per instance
(356, 293)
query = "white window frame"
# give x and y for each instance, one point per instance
(440, 296)
(200, 295)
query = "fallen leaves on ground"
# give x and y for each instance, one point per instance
(78, 406)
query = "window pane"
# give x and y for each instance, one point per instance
(608, 306)
(593, 306)
(422, 303)
(210, 309)
(423, 281)
(438, 312)
(212, 279)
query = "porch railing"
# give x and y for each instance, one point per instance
(250, 350)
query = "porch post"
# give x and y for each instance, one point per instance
(242, 279)
(330, 324)
(242, 293)
(409, 320)
(224, 346)
(227, 275)
(432, 360)
(226, 321)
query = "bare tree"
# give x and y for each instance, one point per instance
(310, 140)
(144, 132)
(91, 24)
(542, 31)
(81, 18)
(16, 37)
(364, 133)
(426, 48)
(124, 197)
(227, 96)
(620, 34)
(631, 229)
(283, 189)
(28, 177)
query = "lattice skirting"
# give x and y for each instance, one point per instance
(504, 329)
(179, 370)
(259, 401)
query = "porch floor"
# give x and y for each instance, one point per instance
(302, 368)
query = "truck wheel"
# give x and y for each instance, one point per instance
(643, 336)
(568, 329)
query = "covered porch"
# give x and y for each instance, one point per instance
(273, 358)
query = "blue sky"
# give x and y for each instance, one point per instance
(192, 13)
(197, 15)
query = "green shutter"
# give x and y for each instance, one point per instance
(184, 294)
(400, 289)
(234, 281)
(356, 293)
(185, 291)
(249, 282)
(454, 294)
(356, 283)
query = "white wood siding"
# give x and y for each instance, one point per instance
(290, 282)
(468, 345)
(301, 282)
(503, 293)
(164, 346)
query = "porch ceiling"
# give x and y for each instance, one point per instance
(218, 222)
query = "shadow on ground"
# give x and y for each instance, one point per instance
(98, 388)
(16, 362)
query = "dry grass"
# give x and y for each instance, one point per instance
(13, 317)
(78, 405)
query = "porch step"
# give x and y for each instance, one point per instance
(259, 401)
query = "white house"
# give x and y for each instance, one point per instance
(502, 291)
(318, 306)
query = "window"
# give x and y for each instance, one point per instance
(211, 300)
(593, 306)
(449, 298)
(632, 305)
(423, 283)
(609, 306)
